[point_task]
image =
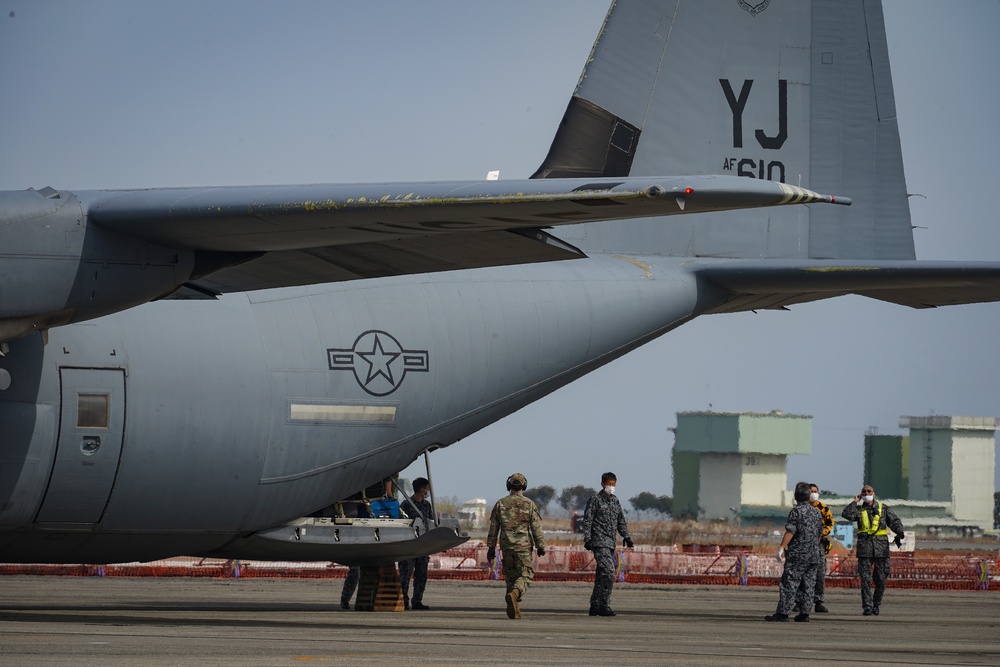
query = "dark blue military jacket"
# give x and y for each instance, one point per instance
(805, 522)
(602, 518)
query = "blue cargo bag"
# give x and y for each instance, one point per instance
(385, 509)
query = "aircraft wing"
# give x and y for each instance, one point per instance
(289, 235)
(72, 256)
(757, 285)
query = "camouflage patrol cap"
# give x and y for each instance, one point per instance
(517, 480)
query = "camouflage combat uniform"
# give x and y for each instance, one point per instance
(417, 567)
(819, 595)
(872, 550)
(801, 557)
(517, 526)
(601, 520)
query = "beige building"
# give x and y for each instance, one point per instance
(952, 460)
(726, 462)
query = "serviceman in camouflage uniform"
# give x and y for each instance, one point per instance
(415, 507)
(872, 544)
(601, 520)
(819, 597)
(516, 524)
(800, 551)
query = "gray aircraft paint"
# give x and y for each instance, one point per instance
(88, 451)
(226, 438)
(245, 411)
(98, 252)
(840, 133)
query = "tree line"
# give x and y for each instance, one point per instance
(574, 498)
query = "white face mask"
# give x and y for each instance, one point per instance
(813, 497)
(610, 490)
(867, 499)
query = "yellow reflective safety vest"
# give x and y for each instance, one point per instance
(869, 525)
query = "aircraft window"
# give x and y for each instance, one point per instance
(92, 410)
(313, 412)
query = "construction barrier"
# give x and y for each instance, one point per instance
(644, 564)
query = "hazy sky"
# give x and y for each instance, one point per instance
(124, 94)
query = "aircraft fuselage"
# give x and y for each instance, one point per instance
(179, 426)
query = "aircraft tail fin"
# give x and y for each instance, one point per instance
(790, 91)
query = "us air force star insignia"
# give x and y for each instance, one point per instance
(378, 361)
(754, 8)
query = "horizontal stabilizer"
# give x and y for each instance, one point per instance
(268, 219)
(756, 285)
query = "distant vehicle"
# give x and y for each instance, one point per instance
(473, 514)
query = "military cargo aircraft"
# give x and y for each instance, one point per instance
(193, 370)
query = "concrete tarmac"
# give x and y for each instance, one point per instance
(90, 621)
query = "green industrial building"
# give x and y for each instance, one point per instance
(887, 465)
(732, 465)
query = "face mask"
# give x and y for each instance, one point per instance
(813, 497)
(867, 499)
(610, 490)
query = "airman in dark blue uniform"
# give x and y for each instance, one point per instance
(416, 507)
(800, 551)
(602, 519)
(872, 544)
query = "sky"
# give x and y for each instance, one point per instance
(131, 94)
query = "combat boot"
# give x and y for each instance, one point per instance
(513, 607)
